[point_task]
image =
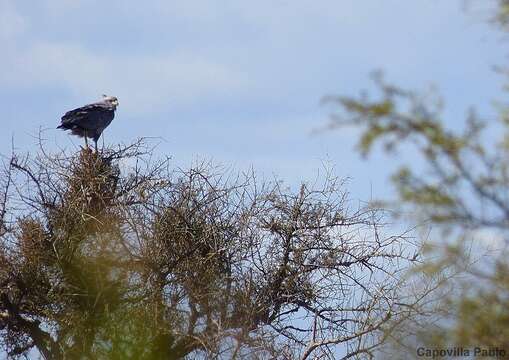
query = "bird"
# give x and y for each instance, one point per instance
(89, 121)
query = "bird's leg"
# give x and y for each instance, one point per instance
(96, 148)
(86, 142)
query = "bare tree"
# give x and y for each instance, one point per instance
(123, 257)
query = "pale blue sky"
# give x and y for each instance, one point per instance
(237, 82)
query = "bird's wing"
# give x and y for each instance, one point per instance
(83, 112)
(89, 116)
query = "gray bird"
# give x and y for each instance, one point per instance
(90, 120)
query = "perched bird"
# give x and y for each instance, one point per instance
(90, 120)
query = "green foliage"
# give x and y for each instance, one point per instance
(460, 186)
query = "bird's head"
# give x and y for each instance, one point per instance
(112, 100)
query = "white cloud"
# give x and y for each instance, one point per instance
(142, 81)
(12, 23)
(145, 81)
(177, 52)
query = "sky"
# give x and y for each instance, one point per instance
(237, 82)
